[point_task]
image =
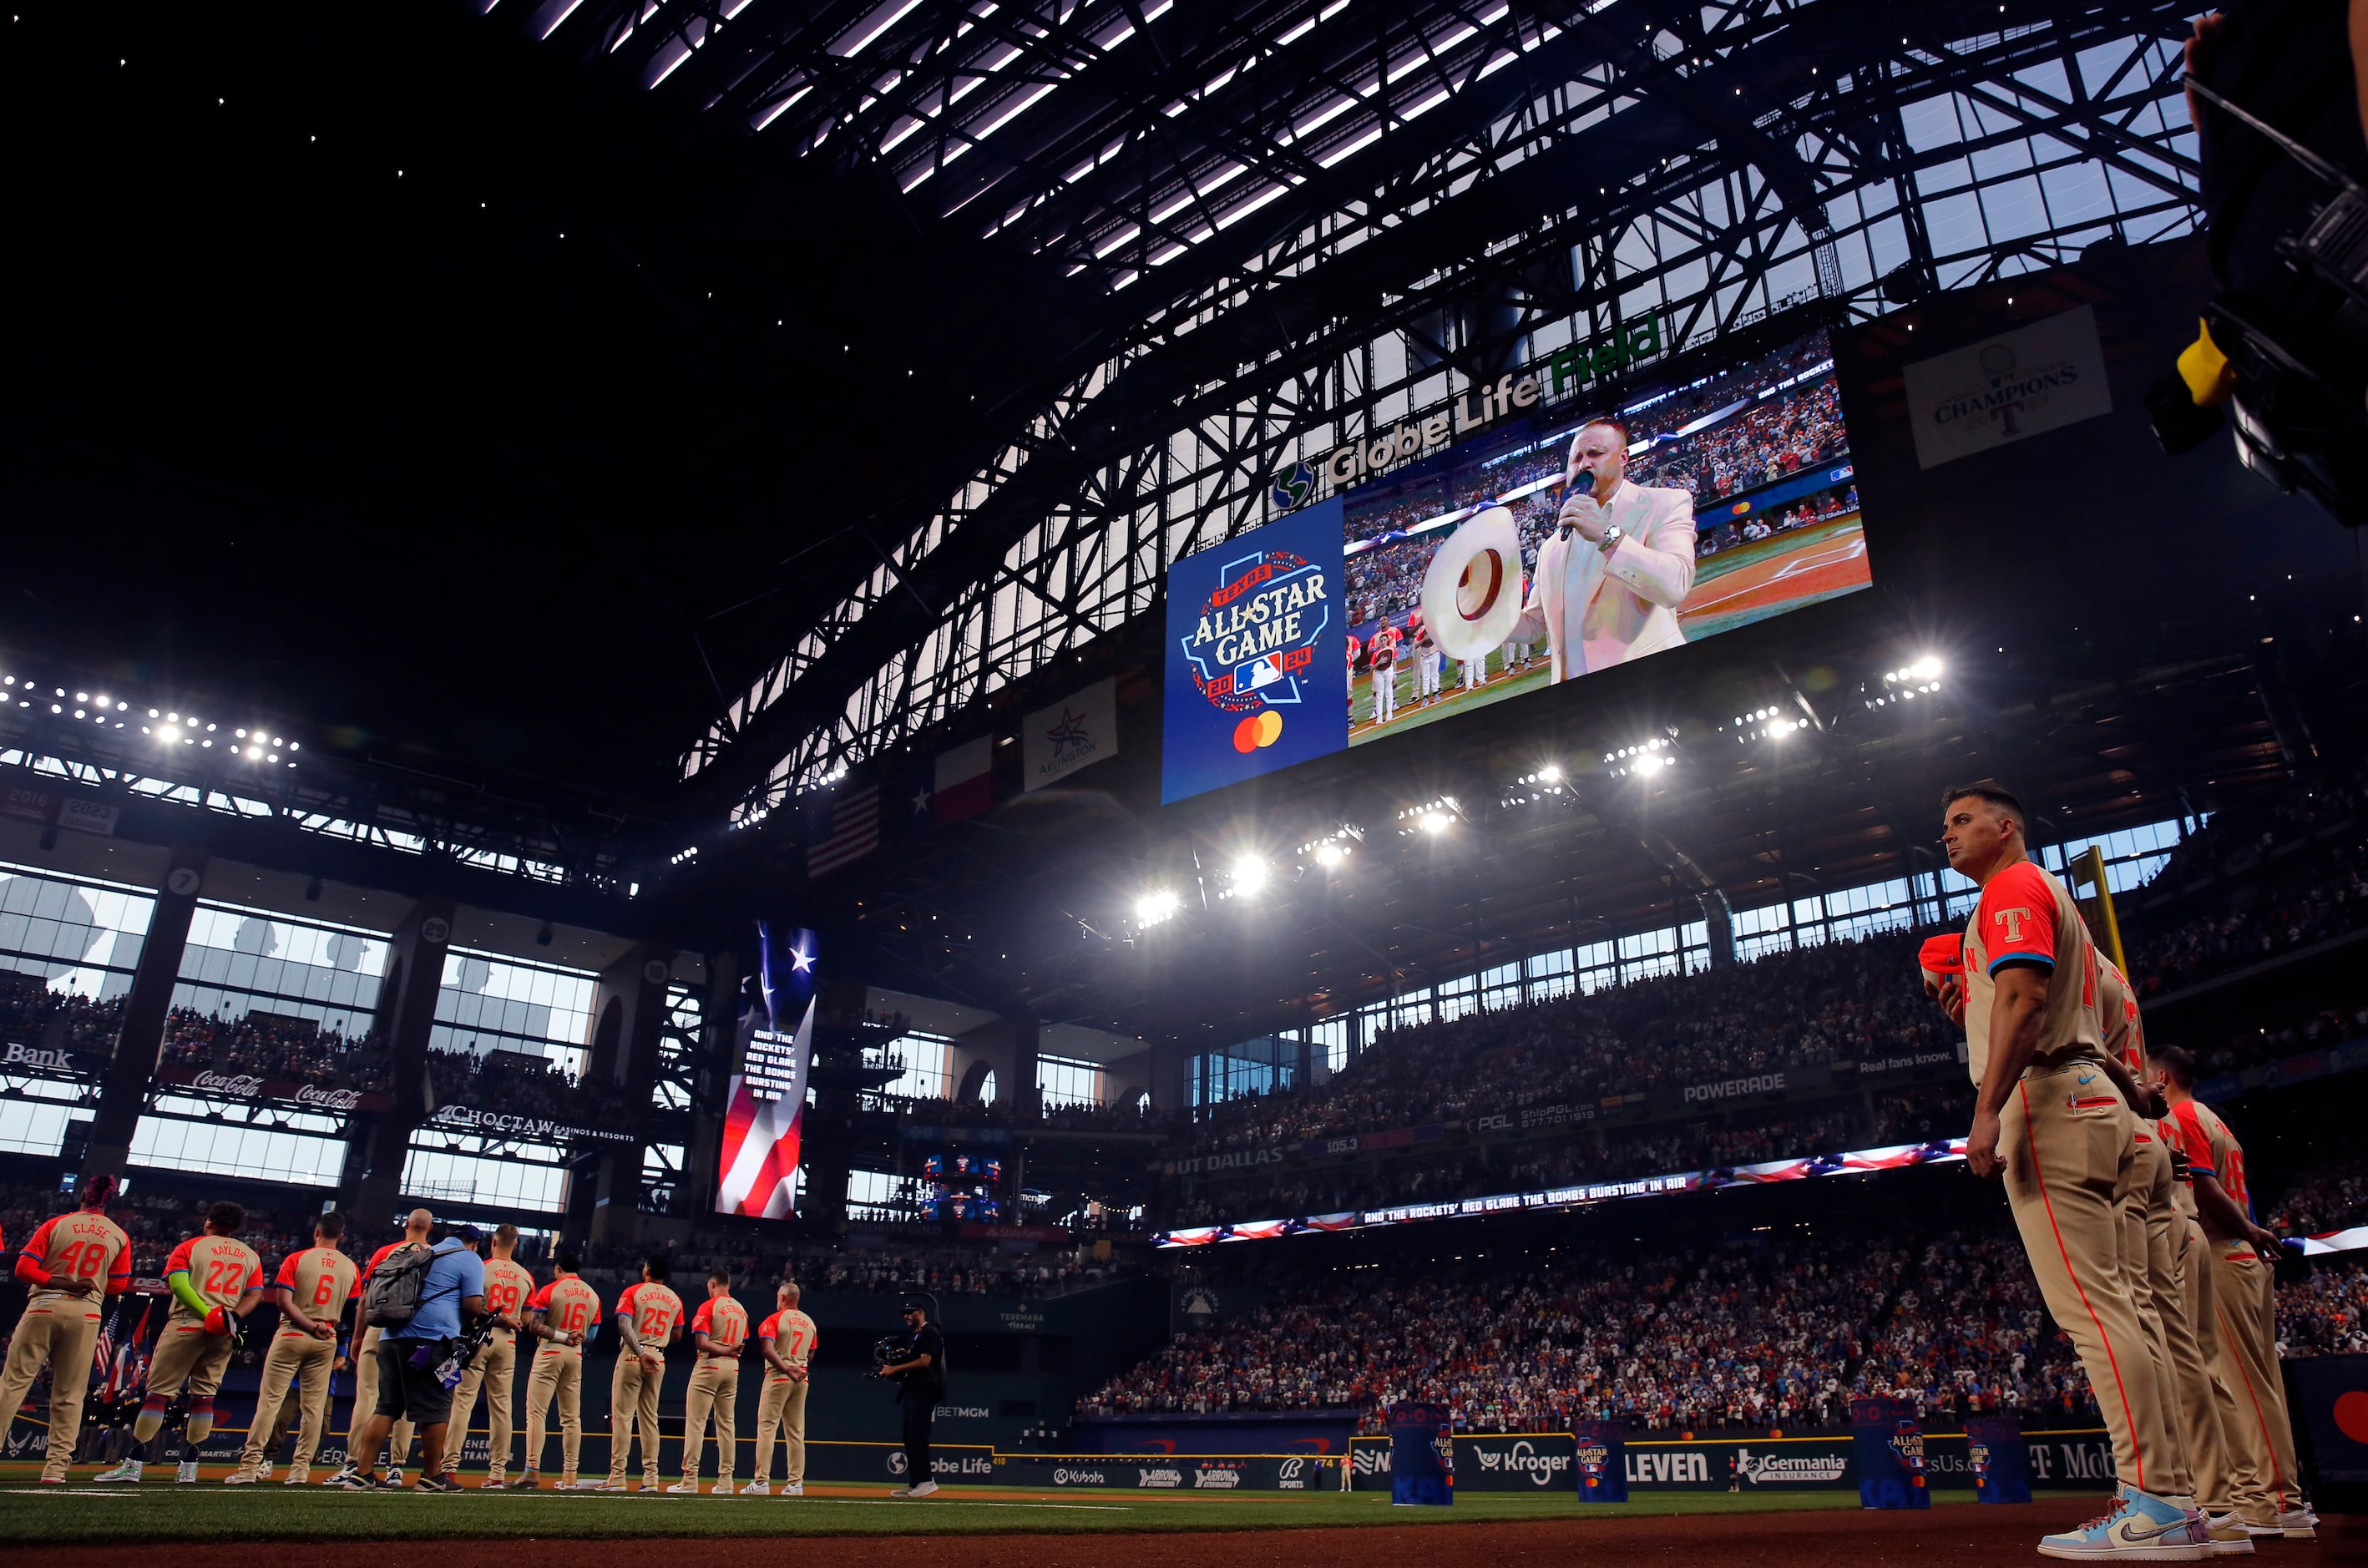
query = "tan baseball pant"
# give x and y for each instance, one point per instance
(714, 1387)
(365, 1364)
(2147, 1214)
(2184, 1306)
(2068, 1137)
(496, 1372)
(633, 1403)
(2253, 1412)
(304, 1361)
(782, 1407)
(59, 1331)
(558, 1370)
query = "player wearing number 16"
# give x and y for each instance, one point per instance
(310, 1291)
(561, 1315)
(72, 1260)
(216, 1280)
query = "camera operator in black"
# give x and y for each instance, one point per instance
(920, 1375)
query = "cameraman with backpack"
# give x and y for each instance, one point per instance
(419, 1299)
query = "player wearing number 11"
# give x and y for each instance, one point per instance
(70, 1262)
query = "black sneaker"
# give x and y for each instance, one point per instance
(390, 1482)
(352, 1480)
(438, 1484)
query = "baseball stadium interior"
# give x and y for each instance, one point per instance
(1598, 766)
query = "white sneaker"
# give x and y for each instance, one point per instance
(685, 1488)
(2228, 1536)
(794, 1489)
(127, 1473)
(599, 1485)
(298, 1478)
(926, 1489)
(2299, 1524)
(188, 1475)
(900, 1492)
(240, 1478)
(757, 1489)
(723, 1489)
(263, 1474)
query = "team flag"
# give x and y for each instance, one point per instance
(965, 781)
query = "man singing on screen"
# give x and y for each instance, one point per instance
(1621, 560)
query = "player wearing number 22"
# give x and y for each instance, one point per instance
(215, 1279)
(71, 1262)
(311, 1293)
(2048, 1118)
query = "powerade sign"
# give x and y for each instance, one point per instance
(1257, 675)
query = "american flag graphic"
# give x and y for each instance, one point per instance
(854, 832)
(761, 1136)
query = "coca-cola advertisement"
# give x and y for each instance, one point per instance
(326, 1097)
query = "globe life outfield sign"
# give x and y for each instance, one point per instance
(1574, 365)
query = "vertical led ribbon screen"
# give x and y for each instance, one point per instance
(766, 1112)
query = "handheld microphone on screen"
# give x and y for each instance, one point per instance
(1580, 483)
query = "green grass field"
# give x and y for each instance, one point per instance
(161, 1511)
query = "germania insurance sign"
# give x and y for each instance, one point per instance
(1256, 677)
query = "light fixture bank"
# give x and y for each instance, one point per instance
(1345, 465)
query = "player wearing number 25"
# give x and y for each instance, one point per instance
(72, 1260)
(310, 1291)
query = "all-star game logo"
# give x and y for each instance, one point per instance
(1256, 637)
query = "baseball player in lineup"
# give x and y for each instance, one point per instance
(649, 1318)
(720, 1330)
(786, 1340)
(72, 1262)
(560, 1317)
(509, 1285)
(311, 1291)
(364, 1356)
(216, 1280)
(2264, 1478)
(2049, 1120)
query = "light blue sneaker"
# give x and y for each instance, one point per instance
(2142, 1527)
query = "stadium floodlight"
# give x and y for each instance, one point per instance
(1437, 822)
(1926, 668)
(1550, 774)
(1249, 874)
(1331, 855)
(1651, 762)
(1159, 904)
(168, 734)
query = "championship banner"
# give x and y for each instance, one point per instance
(1889, 1444)
(1422, 1454)
(1998, 1458)
(764, 1110)
(1600, 1458)
(1257, 677)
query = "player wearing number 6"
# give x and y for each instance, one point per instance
(508, 1287)
(310, 1291)
(72, 1260)
(215, 1279)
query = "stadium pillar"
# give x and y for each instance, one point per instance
(1027, 1099)
(379, 1142)
(124, 1092)
(629, 1003)
(1720, 919)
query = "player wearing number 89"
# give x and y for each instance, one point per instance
(71, 1262)
(2049, 1120)
(508, 1287)
(215, 1279)
(310, 1291)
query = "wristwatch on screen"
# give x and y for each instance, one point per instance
(1610, 539)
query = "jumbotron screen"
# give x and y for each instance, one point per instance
(1459, 574)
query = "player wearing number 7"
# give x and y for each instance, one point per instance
(310, 1291)
(71, 1260)
(214, 1278)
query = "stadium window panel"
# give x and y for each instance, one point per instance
(1457, 998)
(238, 961)
(81, 937)
(1061, 1080)
(487, 1003)
(34, 1123)
(509, 1181)
(1331, 1042)
(923, 1061)
(881, 1194)
(2133, 855)
(224, 1148)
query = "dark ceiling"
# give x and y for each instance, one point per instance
(385, 370)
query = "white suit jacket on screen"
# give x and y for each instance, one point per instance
(1597, 609)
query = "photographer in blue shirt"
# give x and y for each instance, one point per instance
(451, 1294)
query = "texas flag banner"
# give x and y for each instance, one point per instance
(764, 1117)
(965, 781)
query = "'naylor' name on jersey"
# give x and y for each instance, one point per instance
(1261, 623)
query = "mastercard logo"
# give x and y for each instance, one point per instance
(1258, 730)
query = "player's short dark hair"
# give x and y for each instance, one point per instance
(567, 1261)
(227, 1218)
(719, 1277)
(330, 1224)
(2177, 1061)
(658, 1267)
(1613, 420)
(1997, 798)
(506, 1234)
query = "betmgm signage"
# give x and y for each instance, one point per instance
(1358, 460)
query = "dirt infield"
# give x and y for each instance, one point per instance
(1842, 1539)
(1746, 585)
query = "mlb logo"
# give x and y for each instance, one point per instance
(1259, 672)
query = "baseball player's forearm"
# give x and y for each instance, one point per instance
(2225, 1216)
(2015, 1017)
(29, 1270)
(187, 1293)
